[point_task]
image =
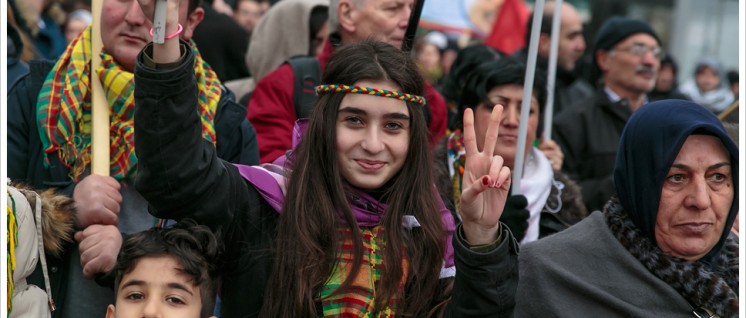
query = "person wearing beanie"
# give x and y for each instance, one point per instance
(627, 52)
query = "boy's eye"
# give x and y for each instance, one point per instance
(135, 296)
(175, 300)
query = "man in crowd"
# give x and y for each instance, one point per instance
(49, 145)
(247, 13)
(271, 108)
(628, 54)
(569, 88)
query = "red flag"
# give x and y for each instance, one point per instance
(509, 31)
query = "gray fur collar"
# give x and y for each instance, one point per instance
(714, 288)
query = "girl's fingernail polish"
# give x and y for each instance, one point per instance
(485, 180)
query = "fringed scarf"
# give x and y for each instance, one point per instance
(714, 288)
(359, 300)
(64, 108)
(12, 244)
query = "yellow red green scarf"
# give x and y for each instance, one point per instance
(359, 299)
(64, 108)
(12, 244)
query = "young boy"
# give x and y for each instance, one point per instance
(167, 273)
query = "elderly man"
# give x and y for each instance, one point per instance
(569, 87)
(49, 133)
(628, 53)
(272, 109)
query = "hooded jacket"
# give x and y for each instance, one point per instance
(281, 34)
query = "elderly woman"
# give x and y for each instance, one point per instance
(661, 249)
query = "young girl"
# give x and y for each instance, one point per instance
(352, 224)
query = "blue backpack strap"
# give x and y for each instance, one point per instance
(307, 71)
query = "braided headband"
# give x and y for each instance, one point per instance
(341, 88)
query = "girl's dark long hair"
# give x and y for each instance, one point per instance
(307, 235)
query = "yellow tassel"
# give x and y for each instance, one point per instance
(12, 243)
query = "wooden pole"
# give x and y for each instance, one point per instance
(100, 112)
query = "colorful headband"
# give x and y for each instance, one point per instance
(341, 88)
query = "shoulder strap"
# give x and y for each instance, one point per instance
(307, 71)
(42, 256)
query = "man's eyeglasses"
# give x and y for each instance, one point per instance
(640, 50)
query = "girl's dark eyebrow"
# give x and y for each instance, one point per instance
(358, 111)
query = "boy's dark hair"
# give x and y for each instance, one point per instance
(193, 246)
(193, 4)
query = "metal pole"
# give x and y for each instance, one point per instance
(552, 69)
(533, 48)
(100, 111)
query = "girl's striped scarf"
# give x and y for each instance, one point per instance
(359, 299)
(64, 108)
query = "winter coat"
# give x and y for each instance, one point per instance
(55, 212)
(588, 134)
(182, 178)
(587, 271)
(222, 43)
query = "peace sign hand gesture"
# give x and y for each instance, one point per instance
(485, 184)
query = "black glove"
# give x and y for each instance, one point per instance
(515, 216)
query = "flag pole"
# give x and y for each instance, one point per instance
(528, 84)
(100, 112)
(552, 69)
(414, 21)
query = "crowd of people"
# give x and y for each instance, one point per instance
(289, 159)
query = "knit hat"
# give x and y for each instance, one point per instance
(616, 29)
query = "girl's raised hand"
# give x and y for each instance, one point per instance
(485, 184)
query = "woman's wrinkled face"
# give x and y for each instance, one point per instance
(695, 200)
(372, 136)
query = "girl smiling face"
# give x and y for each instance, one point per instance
(372, 136)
